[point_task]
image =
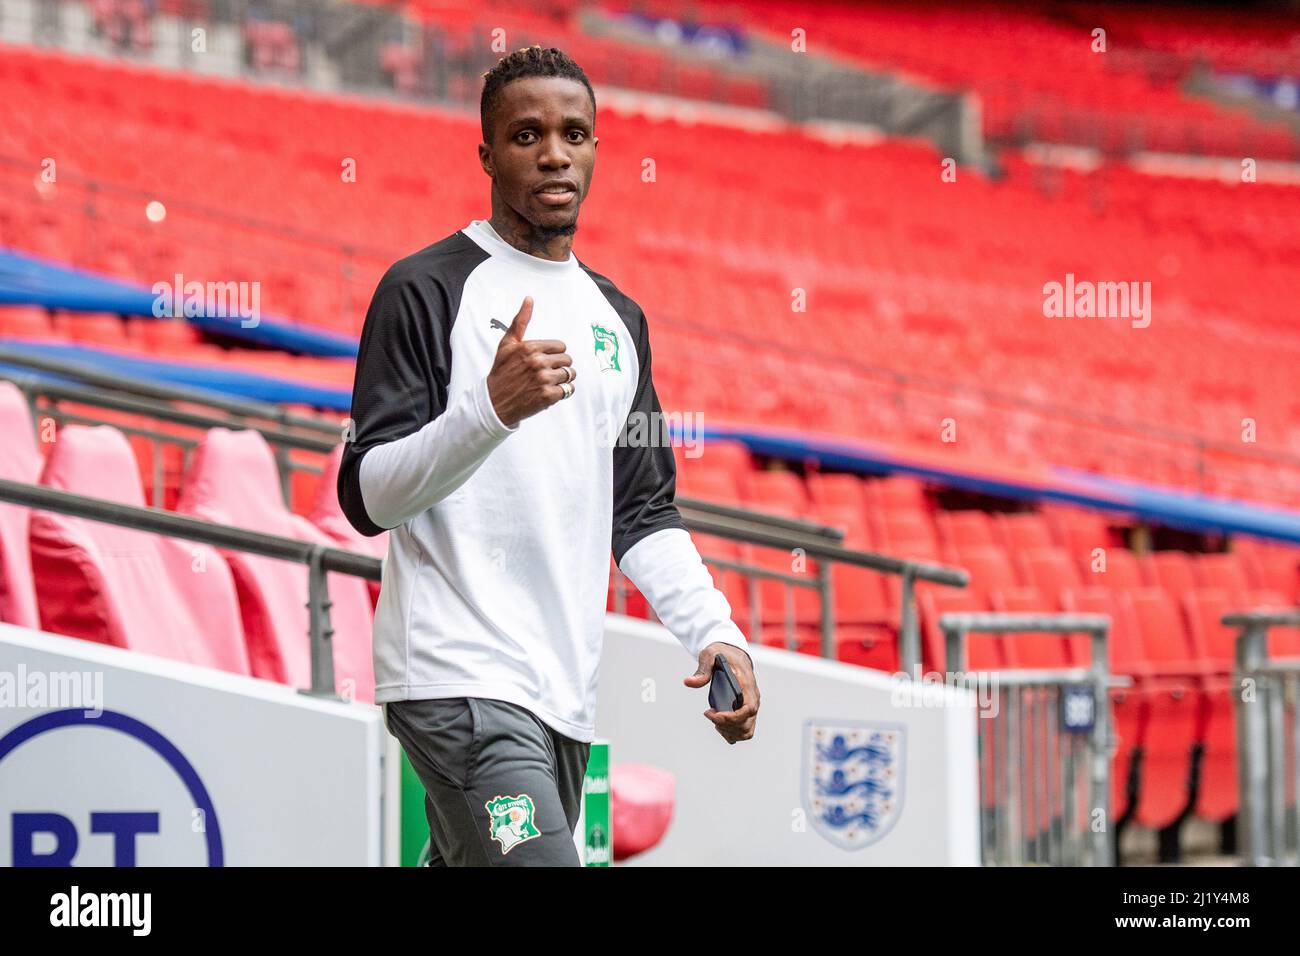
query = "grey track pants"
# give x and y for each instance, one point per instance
(501, 787)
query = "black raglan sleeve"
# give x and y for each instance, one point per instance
(651, 544)
(645, 472)
(409, 443)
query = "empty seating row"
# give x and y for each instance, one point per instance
(222, 608)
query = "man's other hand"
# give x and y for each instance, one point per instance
(733, 725)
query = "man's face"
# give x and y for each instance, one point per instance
(543, 151)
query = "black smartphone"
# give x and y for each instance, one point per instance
(724, 689)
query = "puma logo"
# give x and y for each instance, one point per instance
(498, 324)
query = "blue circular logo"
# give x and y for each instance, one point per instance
(112, 720)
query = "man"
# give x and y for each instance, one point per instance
(490, 368)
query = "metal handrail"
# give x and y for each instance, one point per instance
(138, 396)
(956, 627)
(87, 373)
(1262, 760)
(142, 406)
(149, 399)
(723, 522)
(686, 503)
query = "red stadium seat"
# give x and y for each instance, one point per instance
(722, 454)
(1171, 570)
(1116, 568)
(1080, 532)
(1130, 707)
(960, 530)
(127, 588)
(776, 492)
(1178, 708)
(990, 568)
(897, 493)
(708, 484)
(906, 534)
(233, 480)
(839, 491)
(1035, 649)
(984, 652)
(20, 460)
(1215, 643)
(1025, 531)
(1223, 572)
(1050, 570)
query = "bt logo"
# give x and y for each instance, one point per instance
(121, 827)
(45, 765)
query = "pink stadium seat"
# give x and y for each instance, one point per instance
(233, 480)
(641, 800)
(20, 460)
(127, 588)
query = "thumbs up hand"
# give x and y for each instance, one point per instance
(528, 375)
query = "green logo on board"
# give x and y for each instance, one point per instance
(510, 821)
(606, 343)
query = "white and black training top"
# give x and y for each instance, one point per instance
(498, 563)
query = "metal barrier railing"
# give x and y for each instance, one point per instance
(1268, 740)
(319, 559)
(817, 545)
(1044, 749)
(83, 384)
